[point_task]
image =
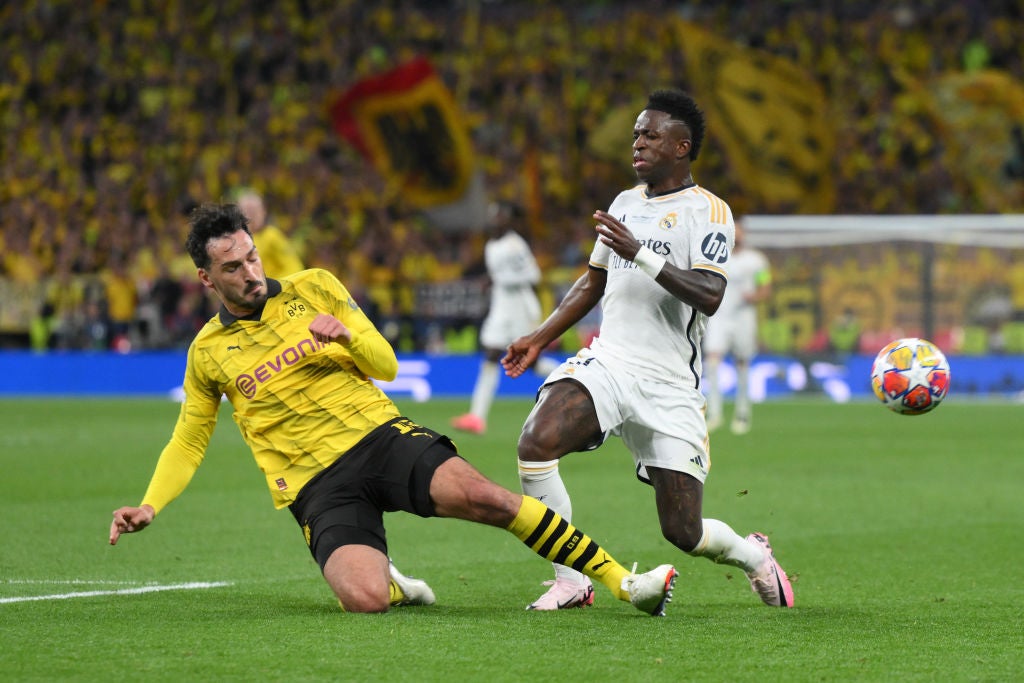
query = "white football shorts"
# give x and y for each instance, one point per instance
(509, 320)
(662, 424)
(498, 331)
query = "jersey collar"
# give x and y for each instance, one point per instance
(226, 317)
(686, 186)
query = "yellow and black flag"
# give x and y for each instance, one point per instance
(769, 116)
(407, 124)
(980, 116)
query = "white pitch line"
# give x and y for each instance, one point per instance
(74, 582)
(195, 585)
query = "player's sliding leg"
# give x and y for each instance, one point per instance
(459, 490)
(569, 588)
(549, 535)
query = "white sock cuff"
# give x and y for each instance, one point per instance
(702, 544)
(721, 544)
(536, 471)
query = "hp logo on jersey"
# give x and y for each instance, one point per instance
(715, 248)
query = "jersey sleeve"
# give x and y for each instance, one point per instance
(186, 449)
(601, 254)
(712, 236)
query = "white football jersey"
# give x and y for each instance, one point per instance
(734, 326)
(515, 308)
(644, 327)
(748, 268)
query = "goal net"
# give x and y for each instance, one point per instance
(850, 284)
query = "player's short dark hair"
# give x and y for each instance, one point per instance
(210, 221)
(680, 106)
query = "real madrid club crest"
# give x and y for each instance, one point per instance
(668, 221)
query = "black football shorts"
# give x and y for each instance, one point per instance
(390, 469)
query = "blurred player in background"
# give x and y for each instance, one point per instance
(278, 254)
(294, 357)
(733, 328)
(514, 310)
(659, 270)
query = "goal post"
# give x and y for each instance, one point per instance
(851, 283)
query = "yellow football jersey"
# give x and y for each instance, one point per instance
(299, 403)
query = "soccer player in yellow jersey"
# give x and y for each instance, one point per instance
(296, 358)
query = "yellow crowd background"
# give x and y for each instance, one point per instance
(116, 117)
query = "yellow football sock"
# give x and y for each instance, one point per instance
(553, 538)
(395, 593)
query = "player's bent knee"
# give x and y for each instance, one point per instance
(365, 604)
(537, 444)
(358, 576)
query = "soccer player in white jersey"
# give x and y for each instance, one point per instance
(514, 310)
(734, 329)
(659, 269)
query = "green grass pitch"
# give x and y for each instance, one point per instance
(903, 536)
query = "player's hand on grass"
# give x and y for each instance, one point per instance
(130, 519)
(327, 328)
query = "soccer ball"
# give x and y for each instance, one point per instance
(910, 376)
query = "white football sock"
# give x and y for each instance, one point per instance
(714, 391)
(742, 390)
(484, 390)
(721, 544)
(542, 481)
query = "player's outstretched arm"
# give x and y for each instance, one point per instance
(129, 519)
(585, 293)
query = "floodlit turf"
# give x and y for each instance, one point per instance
(903, 535)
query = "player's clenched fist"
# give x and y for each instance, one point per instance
(327, 328)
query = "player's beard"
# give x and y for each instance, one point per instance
(251, 300)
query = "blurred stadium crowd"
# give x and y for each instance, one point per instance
(117, 117)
